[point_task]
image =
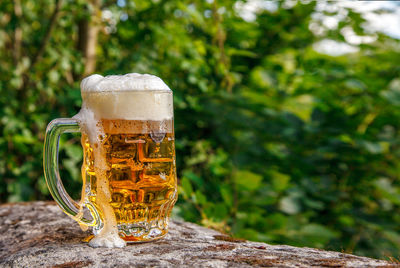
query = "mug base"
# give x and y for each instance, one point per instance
(143, 236)
(135, 240)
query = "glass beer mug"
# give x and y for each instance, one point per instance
(128, 170)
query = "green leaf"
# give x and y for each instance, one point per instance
(280, 181)
(316, 234)
(226, 195)
(200, 198)
(247, 179)
(187, 186)
(74, 152)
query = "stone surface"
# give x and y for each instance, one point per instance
(39, 234)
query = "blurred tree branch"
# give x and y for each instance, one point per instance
(87, 37)
(17, 32)
(219, 39)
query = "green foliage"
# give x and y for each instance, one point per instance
(275, 142)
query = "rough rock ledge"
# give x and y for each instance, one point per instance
(39, 234)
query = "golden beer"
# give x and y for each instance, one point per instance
(141, 175)
(128, 172)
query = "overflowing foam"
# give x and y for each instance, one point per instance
(124, 97)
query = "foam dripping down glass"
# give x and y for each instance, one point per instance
(128, 170)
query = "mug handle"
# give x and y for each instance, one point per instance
(50, 163)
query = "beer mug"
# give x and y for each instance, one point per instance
(128, 170)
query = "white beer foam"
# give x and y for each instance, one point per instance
(131, 97)
(107, 240)
(131, 81)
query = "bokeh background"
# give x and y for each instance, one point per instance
(287, 112)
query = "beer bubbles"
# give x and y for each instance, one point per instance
(129, 156)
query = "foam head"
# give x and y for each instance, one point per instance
(131, 97)
(127, 82)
